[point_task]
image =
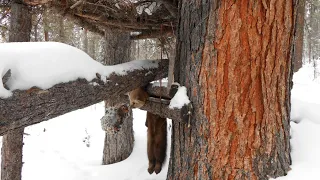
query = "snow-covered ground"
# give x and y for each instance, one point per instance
(305, 134)
(70, 148)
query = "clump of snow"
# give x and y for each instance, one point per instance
(163, 83)
(44, 64)
(180, 98)
(148, 8)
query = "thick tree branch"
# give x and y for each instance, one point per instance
(25, 108)
(161, 109)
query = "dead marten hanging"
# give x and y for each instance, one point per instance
(157, 141)
(157, 132)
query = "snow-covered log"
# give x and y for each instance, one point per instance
(32, 106)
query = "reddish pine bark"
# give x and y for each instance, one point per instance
(235, 59)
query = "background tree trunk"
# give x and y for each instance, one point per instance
(11, 155)
(235, 59)
(85, 40)
(299, 35)
(119, 146)
(62, 36)
(45, 24)
(21, 25)
(12, 144)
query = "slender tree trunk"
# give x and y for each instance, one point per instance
(11, 155)
(235, 59)
(35, 29)
(62, 37)
(45, 24)
(117, 47)
(119, 146)
(299, 34)
(92, 46)
(12, 144)
(85, 40)
(20, 26)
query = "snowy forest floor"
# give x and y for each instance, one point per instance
(70, 147)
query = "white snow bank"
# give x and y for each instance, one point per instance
(305, 109)
(180, 98)
(305, 151)
(58, 149)
(44, 64)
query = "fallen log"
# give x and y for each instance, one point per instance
(32, 106)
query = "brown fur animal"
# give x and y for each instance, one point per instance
(138, 98)
(157, 141)
(157, 132)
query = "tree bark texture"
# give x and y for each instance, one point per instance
(21, 24)
(25, 108)
(85, 40)
(118, 146)
(11, 155)
(235, 59)
(45, 23)
(118, 47)
(62, 35)
(12, 143)
(299, 34)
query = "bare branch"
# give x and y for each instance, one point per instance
(77, 4)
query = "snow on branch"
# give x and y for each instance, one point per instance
(64, 90)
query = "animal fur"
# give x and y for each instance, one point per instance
(157, 132)
(138, 98)
(157, 141)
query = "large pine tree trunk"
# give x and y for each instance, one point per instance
(12, 143)
(119, 146)
(235, 59)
